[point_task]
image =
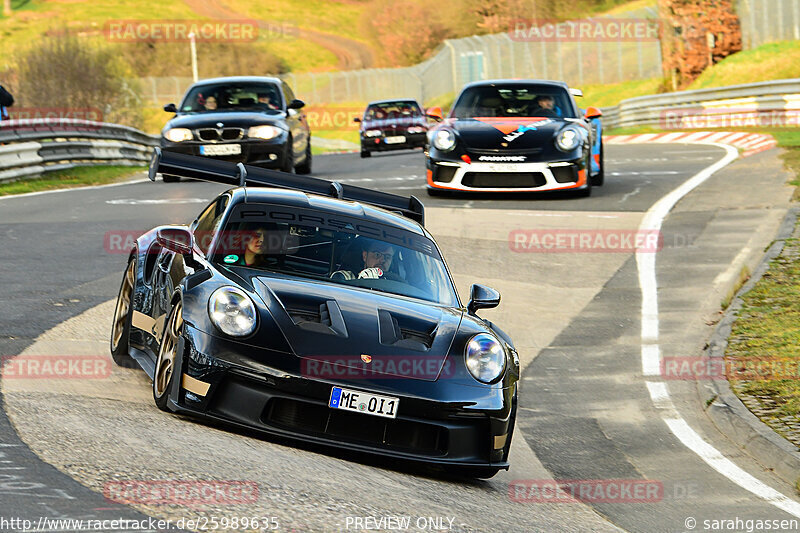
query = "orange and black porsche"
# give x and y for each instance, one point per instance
(515, 136)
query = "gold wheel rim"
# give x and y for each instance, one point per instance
(123, 305)
(168, 350)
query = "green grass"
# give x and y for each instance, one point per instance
(75, 177)
(767, 329)
(340, 18)
(611, 94)
(772, 61)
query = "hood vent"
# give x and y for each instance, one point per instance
(405, 332)
(324, 318)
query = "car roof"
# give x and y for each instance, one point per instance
(391, 100)
(483, 83)
(238, 79)
(299, 199)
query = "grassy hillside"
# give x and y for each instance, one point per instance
(771, 61)
(36, 19)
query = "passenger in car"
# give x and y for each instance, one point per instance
(376, 262)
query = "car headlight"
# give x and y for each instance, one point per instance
(568, 139)
(372, 133)
(417, 129)
(444, 140)
(263, 132)
(485, 358)
(232, 311)
(177, 135)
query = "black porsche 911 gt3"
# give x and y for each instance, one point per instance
(515, 136)
(243, 119)
(305, 308)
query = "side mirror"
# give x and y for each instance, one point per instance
(176, 239)
(296, 104)
(170, 108)
(592, 112)
(356, 119)
(435, 113)
(482, 297)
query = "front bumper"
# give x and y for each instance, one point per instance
(263, 153)
(506, 177)
(437, 422)
(379, 144)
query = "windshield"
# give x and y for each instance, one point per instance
(225, 97)
(341, 256)
(528, 100)
(390, 110)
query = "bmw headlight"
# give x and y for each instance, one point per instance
(177, 135)
(568, 139)
(263, 132)
(485, 358)
(444, 140)
(372, 133)
(232, 311)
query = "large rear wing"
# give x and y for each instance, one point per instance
(237, 174)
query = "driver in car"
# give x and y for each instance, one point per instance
(376, 259)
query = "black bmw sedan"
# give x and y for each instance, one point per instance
(392, 125)
(252, 120)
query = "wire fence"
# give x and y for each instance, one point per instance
(529, 50)
(766, 21)
(513, 54)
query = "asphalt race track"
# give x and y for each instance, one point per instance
(587, 411)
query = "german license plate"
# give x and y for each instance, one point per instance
(220, 149)
(397, 139)
(363, 402)
(504, 167)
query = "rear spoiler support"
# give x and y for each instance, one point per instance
(238, 174)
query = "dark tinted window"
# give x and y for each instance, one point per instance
(335, 250)
(523, 100)
(387, 110)
(221, 97)
(208, 223)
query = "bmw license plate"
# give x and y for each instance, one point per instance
(397, 139)
(220, 149)
(363, 402)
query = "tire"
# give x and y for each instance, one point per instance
(165, 372)
(121, 325)
(364, 154)
(169, 178)
(598, 180)
(305, 166)
(288, 158)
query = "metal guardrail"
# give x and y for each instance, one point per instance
(658, 110)
(30, 147)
